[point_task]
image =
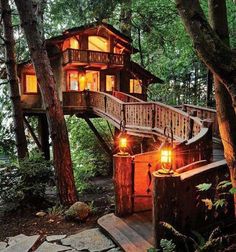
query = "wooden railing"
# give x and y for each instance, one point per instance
(96, 57)
(125, 97)
(193, 136)
(204, 113)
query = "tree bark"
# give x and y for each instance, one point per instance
(225, 112)
(221, 60)
(21, 143)
(55, 117)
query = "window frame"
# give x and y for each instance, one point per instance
(133, 80)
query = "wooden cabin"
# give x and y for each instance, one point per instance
(95, 57)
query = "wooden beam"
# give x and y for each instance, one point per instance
(44, 135)
(99, 137)
(31, 131)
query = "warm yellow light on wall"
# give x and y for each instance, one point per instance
(82, 82)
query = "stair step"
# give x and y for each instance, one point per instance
(126, 237)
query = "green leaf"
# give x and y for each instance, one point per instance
(204, 187)
(233, 190)
(223, 184)
(219, 203)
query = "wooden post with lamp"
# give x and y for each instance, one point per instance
(123, 178)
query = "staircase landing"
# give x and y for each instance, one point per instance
(132, 234)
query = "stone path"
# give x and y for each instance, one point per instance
(91, 240)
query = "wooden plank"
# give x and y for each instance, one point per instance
(142, 224)
(123, 235)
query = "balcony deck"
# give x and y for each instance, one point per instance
(85, 57)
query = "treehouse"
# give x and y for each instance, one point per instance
(96, 77)
(94, 58)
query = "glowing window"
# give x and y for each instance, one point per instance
(72, 43)
(73, 81)
(97, 43)
(110, 82)
(93, 79)
(31, 83)
(135, 86)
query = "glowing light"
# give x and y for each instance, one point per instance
(123, 142)
(166, 156)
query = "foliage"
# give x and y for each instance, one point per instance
(222, 189)
(167, 245)
(196, 242)
(56, 210)
(25, 184)
(88, 158)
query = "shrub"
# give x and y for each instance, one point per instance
(25, 184)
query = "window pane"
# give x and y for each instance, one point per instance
(31, 84)
(74, 44)
(93, 79)
(110, 82)
(135, 86)
(73, 81)
(96, 43)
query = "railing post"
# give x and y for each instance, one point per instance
(166, 208)
(123, 115)
(105, 103)
(191, 123)
(153, 115)
(123, 184)
(207, 148)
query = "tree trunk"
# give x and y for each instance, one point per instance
(21, 143)
(54, 112)
(225, 111)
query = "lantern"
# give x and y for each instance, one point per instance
(166, 156)
(123, 144)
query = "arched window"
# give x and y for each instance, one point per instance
(97, 43)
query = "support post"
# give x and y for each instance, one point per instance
(165, 203)
(31, 131)
(44, 135)
(123, 184)
(99, 137)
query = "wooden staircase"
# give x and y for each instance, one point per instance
(132, 233)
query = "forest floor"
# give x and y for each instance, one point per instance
(99, 198)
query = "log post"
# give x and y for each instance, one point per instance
(123, 184)
(44, 135)
(165, 203)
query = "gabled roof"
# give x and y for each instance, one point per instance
(125, 40)
(137, 70)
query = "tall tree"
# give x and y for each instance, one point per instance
(125, 17)
(10, 60)
(33, 29)
(221, 60)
